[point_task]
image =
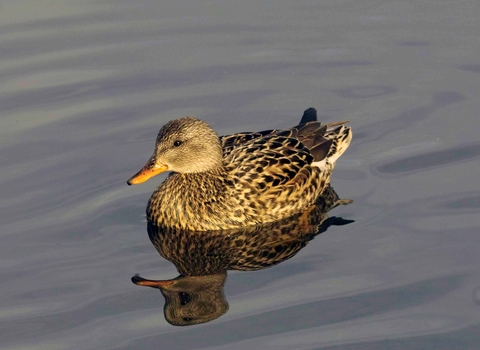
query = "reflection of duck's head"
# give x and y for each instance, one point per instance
(190, 300)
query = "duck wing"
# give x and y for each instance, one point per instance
(280, 157)
(231, 141)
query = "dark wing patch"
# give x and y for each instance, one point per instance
(320, 151)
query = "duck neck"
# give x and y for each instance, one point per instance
(206, 181)
(201, 185)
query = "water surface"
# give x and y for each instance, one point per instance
(85, 88)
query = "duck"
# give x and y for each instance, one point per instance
(243, 179)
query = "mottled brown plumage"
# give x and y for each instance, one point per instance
(241, 179)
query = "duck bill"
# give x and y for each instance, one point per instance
(139, 281)
(151, 169)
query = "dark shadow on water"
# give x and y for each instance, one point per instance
(429, 160)
(366, 91)
(414, 43)
(203, 258)
(380, 130)
(473, 68)
(466, 202)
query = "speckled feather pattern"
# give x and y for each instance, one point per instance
(264, 177)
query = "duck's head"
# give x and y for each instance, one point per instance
(185, 145)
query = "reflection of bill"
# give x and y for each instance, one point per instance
(476, 295)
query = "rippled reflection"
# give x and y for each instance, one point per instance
(203, 257)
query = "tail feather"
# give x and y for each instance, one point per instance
(326, 142)
(339, 137)
(309, 115)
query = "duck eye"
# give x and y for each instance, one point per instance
(177, 143)
(184, 298)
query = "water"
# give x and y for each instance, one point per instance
(85, 88)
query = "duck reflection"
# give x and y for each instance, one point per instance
(191, 300)
(203, 257)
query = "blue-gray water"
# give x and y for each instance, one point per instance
(85, 88)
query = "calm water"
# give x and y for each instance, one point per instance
(85, 88)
